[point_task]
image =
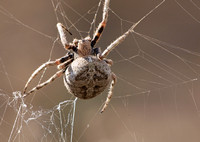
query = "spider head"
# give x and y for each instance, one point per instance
(83, 46)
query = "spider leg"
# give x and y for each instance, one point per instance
(115, 43)
(47, 64)
(62, 30)
(114, 80)
(102, 25)
(65, 64)
(108, 61)
(52, 78)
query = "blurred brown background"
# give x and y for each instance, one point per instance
(167, 111)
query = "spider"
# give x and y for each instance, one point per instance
(86, 70)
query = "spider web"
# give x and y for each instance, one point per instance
(156, 97)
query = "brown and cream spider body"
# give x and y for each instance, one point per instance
(87, 77)
(86, 70)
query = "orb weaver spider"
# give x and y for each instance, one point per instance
(86, 70)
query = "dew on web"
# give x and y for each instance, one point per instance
(156, 97)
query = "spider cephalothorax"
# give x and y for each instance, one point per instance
(86, 70)
(84, 47)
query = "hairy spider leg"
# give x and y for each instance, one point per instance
(47, 64)
(62, 30)
(115, 43)
(102, 25)
(113, 82)
(51, 79)
(65, 64)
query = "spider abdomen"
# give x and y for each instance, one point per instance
(86, 77)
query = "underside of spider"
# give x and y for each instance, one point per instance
(86, 70)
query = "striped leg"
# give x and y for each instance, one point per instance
(114, 80)
(47, 64)
(115, 43)
(62, 30)
(37, 71)
(102, 25)
(51, 79)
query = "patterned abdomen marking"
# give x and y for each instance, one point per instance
(87, 77)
